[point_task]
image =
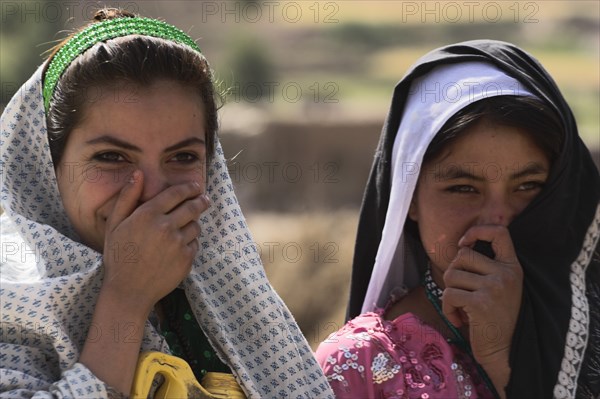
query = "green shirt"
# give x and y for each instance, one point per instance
(185, 337)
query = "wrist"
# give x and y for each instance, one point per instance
(498, 358)
(114, 339)
(123, 306)
(498, 370)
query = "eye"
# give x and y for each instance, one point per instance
(531, 186)
(461, 189)
(109, 157)
(185, 157)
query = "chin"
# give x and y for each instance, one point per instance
(92, 241)
(93, 245)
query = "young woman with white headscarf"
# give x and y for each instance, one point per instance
(121, 232)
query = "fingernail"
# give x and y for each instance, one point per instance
(206, 199)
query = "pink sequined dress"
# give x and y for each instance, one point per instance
(371, 357)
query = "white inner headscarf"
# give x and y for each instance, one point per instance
(433, 99)
(49, 282)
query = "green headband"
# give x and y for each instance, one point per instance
(108, 29)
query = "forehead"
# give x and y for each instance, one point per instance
(130, 94)
(162, 109)
(493, 142)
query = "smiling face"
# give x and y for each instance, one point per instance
(159, 131)
(486, 176)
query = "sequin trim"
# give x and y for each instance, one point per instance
(350, 362)
(417, 369)
(384, 368)
(578, 333)
(464, 385)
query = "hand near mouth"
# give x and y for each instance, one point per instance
(149, 248)
(485, 295)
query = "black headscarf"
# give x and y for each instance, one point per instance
(548, 237)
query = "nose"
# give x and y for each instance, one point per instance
(497, 210)
(154, 182)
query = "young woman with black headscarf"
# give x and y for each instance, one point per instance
(476, 268)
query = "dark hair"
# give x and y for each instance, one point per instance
(536, 118)
(528, 113)
(131, 60)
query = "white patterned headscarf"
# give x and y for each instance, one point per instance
(49, 282)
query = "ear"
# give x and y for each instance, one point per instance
(413, 210)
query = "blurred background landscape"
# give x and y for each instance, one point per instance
(308, 85)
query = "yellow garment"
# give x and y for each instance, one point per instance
(179, 381)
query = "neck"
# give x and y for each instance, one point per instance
(435, 290)
(438, 276)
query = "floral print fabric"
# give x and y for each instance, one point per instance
(371, 357)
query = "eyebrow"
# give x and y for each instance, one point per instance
(106, 139)
(185, 143)
(533, 168)
(456, 172)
